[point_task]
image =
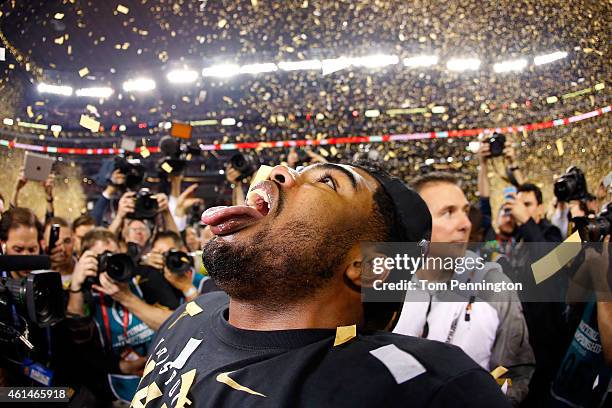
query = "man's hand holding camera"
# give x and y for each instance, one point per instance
(517, 209)
(126, 204)
(119, 291)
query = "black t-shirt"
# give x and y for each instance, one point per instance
(199, 357)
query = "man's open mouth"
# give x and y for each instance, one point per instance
(227, 220)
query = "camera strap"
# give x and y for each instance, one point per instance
(107, 320)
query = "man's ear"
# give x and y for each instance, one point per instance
(363, 270)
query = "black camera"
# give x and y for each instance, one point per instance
(175, 155)
(39, 296)
(595, 229)
(119, 267)
(133, 170)
(145, 207)
(571, 185)
(178, 262)
(496, 142)
(246, 165)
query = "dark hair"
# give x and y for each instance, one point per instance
(17, 217)
(95, 235)
(385, 212)
(434, 177)
(527, 187)
(81, 220)
(57, 220)
(168, 234)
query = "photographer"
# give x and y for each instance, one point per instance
(128, 213)
(125, 320)
(81, 226)
(47, 185)
(46, 361)
(61, 254)
(184, 283)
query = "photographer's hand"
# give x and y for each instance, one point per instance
(127, 204)
(86, 266)
(292, 158)
(162, 203)
(518, 210)
(232, 175)
(484, 153)
(154, 260)
(119, 291)
(21, 182)
(186, 200)
(182, 282)
(117, 179)
(152, 316)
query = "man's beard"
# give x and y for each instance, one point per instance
(277, 268)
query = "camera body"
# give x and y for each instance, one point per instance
(39, 297)
(571, 185)
(146, 205)
(496, 142)
(133, 170)
(178, 262)
(119, 267)
(595, 229)
(246, 165)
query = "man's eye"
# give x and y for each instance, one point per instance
(326, 179)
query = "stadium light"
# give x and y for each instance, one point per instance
(8, 121)
(56, 128)
(421, 61)
(375, 61)
(463, 64)
(55, 89)
(182, 76)
(372, 113)
(300, 65)
(139, 85)
(258, 68)
(222, 70)
(508, 66)
(95, 92)
(228, 121)
(548, 58)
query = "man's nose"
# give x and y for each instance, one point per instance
(465, 225)
(284, 176)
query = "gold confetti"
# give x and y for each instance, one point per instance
(89, 123)
(83, 72)
(122, 9)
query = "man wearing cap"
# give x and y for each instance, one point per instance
(293, 330)
(489, 326)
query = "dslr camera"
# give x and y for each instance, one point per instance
(246, 165)
(133, 170)
(178, 262)
(145, 207)
(119, 267)
(595, 228)
(571, 185)
(496, 143)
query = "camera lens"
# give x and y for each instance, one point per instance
(178, 262)
(120, 267)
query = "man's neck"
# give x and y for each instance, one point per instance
(320, 312)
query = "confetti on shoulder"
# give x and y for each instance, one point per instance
(344, 334)
(193, 308)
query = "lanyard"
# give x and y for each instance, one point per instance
(107, 322)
